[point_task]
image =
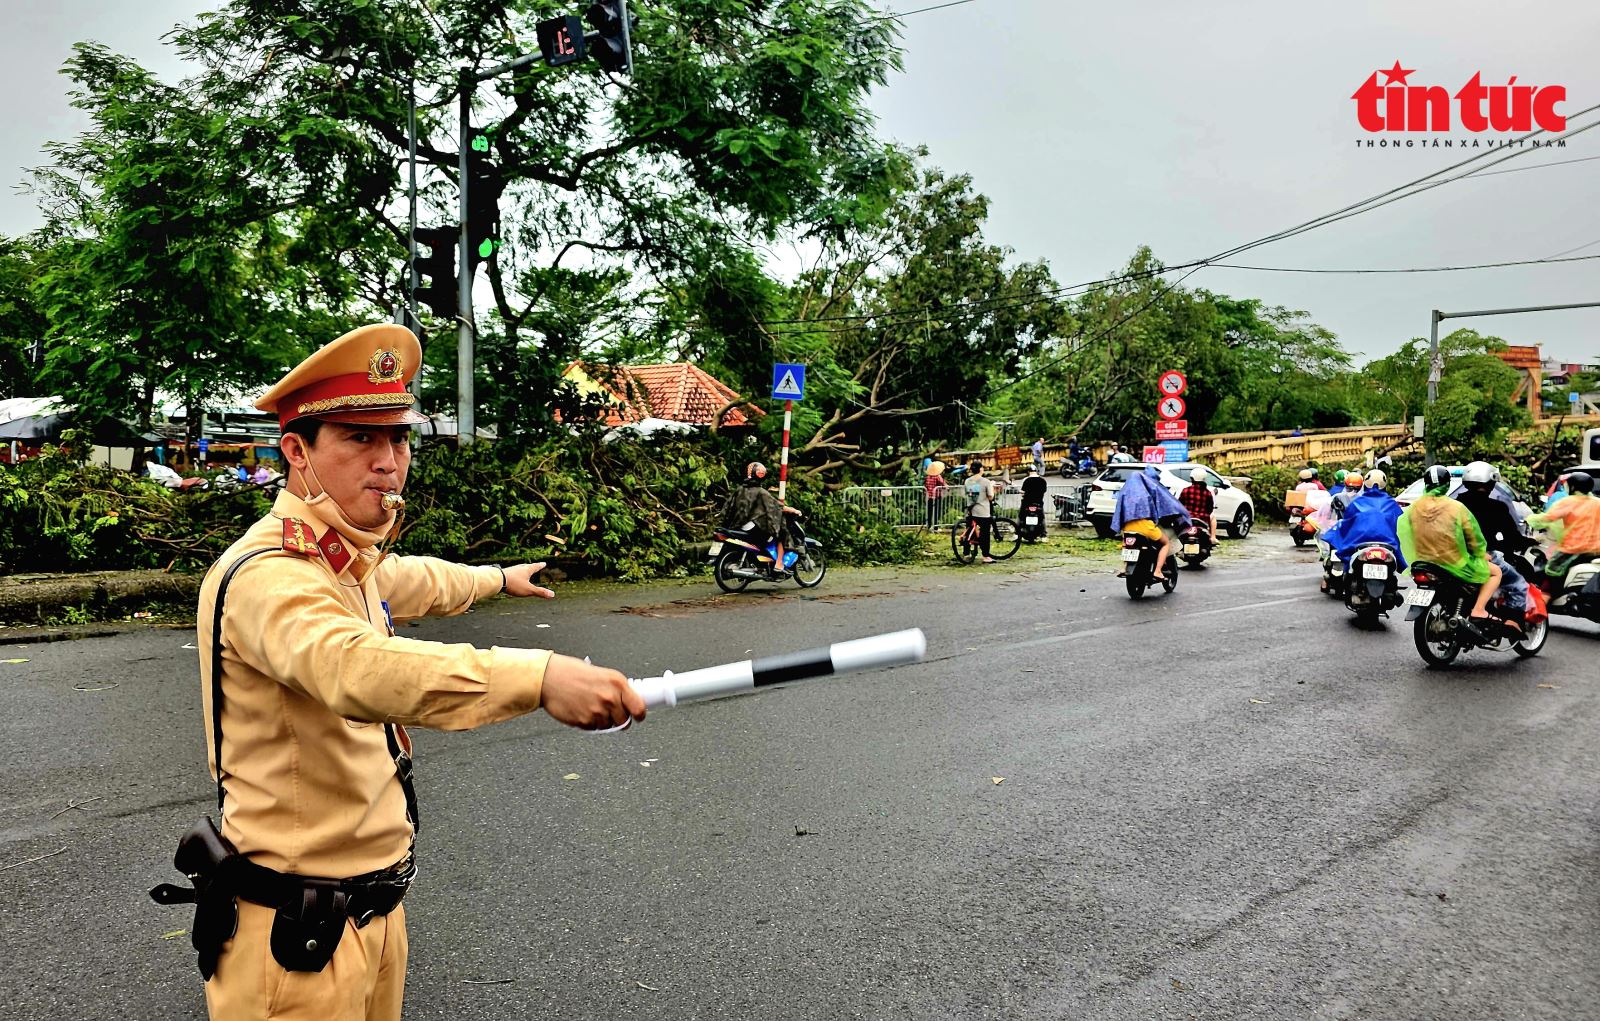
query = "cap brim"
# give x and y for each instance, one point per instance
(374, 416)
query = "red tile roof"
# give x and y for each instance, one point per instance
(680, 392)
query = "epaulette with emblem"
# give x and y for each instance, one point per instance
(297, 538)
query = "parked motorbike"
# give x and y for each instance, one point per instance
(1030, 521)
(1372, 584)
(1139, 561)
(1194, 545)
(1441, 606)
(737, 559)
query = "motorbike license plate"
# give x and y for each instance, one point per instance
(1378, 571)
(1419, 597)
(1130, 555)
(716, 548)
(1192, 548)
(1030, 520)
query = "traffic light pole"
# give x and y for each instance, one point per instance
(1436, 357)
(466, 426)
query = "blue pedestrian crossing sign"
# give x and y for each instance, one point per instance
(788, 382)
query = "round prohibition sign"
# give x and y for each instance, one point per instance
(1172, 383)
(1171, 408)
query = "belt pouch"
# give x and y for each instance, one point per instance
(309, 924)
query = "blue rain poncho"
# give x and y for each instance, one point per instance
(1144, 497)
(1371, 517)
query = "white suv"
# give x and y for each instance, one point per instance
(1236, 512)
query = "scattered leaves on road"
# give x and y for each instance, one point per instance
(1261, 701)
(998, 780)
(641, 985)
(175, 933)
(1552, 687)
(572, 776)
(13, 661)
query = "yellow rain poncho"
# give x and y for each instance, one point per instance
(1443, 532)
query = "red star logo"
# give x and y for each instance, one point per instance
(1396, 75)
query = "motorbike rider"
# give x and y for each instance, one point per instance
(1143, 504)
(1197, 500)
(754, 505)
(1034, 488)
(1338, 483)
(1372, 516)
(1441, 531)
(1308, 481)
(1354, 485)
(1578, 516)
(1498, 523)
(1375, 479)
(1495, 518)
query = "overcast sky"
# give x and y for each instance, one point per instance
(1094, 128)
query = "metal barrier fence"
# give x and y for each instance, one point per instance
(907, 506)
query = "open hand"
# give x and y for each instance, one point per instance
(519, 581)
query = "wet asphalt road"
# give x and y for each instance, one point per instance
(1227, 803)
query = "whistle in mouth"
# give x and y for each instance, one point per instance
(393, 501)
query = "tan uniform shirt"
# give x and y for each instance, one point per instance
(311, 672)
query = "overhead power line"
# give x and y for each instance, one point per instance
(1415, 269)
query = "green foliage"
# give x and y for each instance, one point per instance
(1474, 407)
(1268, 483)
(59, 514)
(849, 534)
(22, 323)
(1250, 366)
(629, 509)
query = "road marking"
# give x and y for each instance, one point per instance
(1254, 606)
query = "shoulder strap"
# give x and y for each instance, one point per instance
(216, 664)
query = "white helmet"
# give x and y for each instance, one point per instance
(1377, 478)
(1306, 474)
(1478, 472)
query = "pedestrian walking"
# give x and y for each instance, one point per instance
(1038, 455)
(308, 694)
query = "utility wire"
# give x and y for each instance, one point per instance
(1418, 269)
(920, 10)
(1354, 209)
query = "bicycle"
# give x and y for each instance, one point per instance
(1005, 538)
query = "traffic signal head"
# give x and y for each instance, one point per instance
(484, 185)
(610, 41)
(433, 277)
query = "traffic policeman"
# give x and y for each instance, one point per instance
(308, 691)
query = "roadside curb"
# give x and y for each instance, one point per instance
(27, 599)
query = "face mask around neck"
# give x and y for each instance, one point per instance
(326, 506)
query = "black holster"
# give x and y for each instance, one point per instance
(311, 912)
(206, 857)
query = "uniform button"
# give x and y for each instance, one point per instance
(311, 946)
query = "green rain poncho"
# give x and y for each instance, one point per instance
(1443, 532)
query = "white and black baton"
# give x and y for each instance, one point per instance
(894, 649)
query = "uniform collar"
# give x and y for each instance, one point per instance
(344, 547)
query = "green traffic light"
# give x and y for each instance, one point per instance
(480, 143)
(486, 248)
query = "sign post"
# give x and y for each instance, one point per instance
(788, 386)
(1172, 429)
